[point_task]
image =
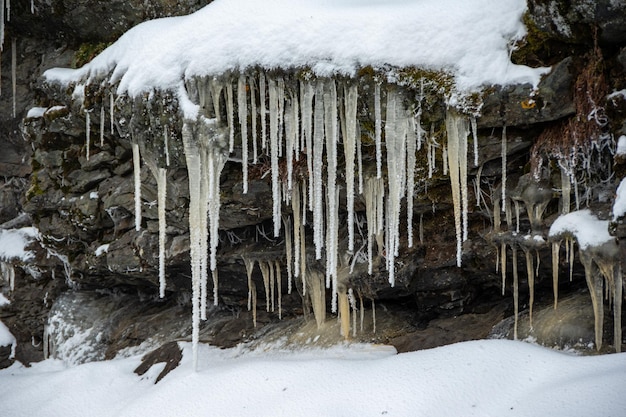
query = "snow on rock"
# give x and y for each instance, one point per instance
(4, 301)
(619, 206)
(470, 40)
(13, 243)
(7, 339)
(102, 249)
(584, 226)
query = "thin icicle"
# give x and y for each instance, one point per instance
(359, 158)
(503, 265)
(475, 139)
(255, 150)
(230, 116)
(457, 163)
(278, 275)
(291, 138)
(161, 201)
(307, 93)
(249, 264)
(571, 259)
(530, 273)
(111, 110)
(274, 151)
(373, 316)
(344, 315)
(555, 271)
(289, 244)
(374, 187)
(242, 109)
(316, 199)
(296, 210)
(137, 180)
(87, 132)
(463, 134)
(2, 24)
(411, 145)
(504, 164)
(515, 291)
(166, 145)
(101, 126)
(14, 73)
(378, 130)
(332, 192)
(263, 111)
(265, 272)
(215, 287)
(349, 146)
(444, 157)
(32, 6)
(352, 301)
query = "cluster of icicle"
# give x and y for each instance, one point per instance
(309, 121)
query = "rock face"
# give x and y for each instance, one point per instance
(84, 207)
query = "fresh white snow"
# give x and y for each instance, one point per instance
(7, 339)
(619, 206)
(13, 243)
(584, 226)
(481, 378)
(471, 40)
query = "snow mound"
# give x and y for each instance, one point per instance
(470, 39)
(584, 226)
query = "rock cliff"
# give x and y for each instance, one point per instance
(70, 169)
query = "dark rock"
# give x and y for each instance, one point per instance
(170, 353)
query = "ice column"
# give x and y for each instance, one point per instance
(318, 146)
(161, 199)
(242, 109)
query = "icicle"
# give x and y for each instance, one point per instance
(349, 146)
(373, 316)
(504, 165)
(318, 144)
(444, 157)
(137, 177)
(166, 145)
(101, 126)
(352, 302)
(571, 259)
(411, 144)
(291, 137)
(1, 25)
(475, 139)
(230, 116)
(216, 162)
(265, 272)
(87, 132)
(503, 265)
(530, 272)
(161, 200)
(253, 112)
(263, 111)
(515, 291)
(361, 310)
(332, 192)
(456, 128)
(111, 109)
(274, 151)
(555, 271)
(32, 6)
(576, 193)
(242, 108)
(344, 315)
(359, 157)
(215, 289)
(280, 95)
(295, 208)
(378, 130)
(306, 96)
(272, 285)
(249, 264)
(14, 73)
(315, 280)
(595, 284)
(421, 228)
(373, 193)
(566, 190)
(295, 112)
(516, 203)
(279, 286)
(289, 243)
(8, 3)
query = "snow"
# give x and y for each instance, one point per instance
(470, 40)
(619, 206)
(584, 226)
(621, 146)
(102, 249)
(7, 339)
(4, 301)
(13, 243)
(481, 378)
(36, 112)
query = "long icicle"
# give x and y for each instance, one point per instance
(349, 146)
(253, 119)
(378, 129)
(318, 145)
(161, 201)
(137, 181)
(242, 110)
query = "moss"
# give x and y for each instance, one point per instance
(413, 77)
(88, 51)
(35, 188)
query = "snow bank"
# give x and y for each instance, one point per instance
(584, 226)
(481, 378)
(13, 243)
(7, 339)
(470, 39)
